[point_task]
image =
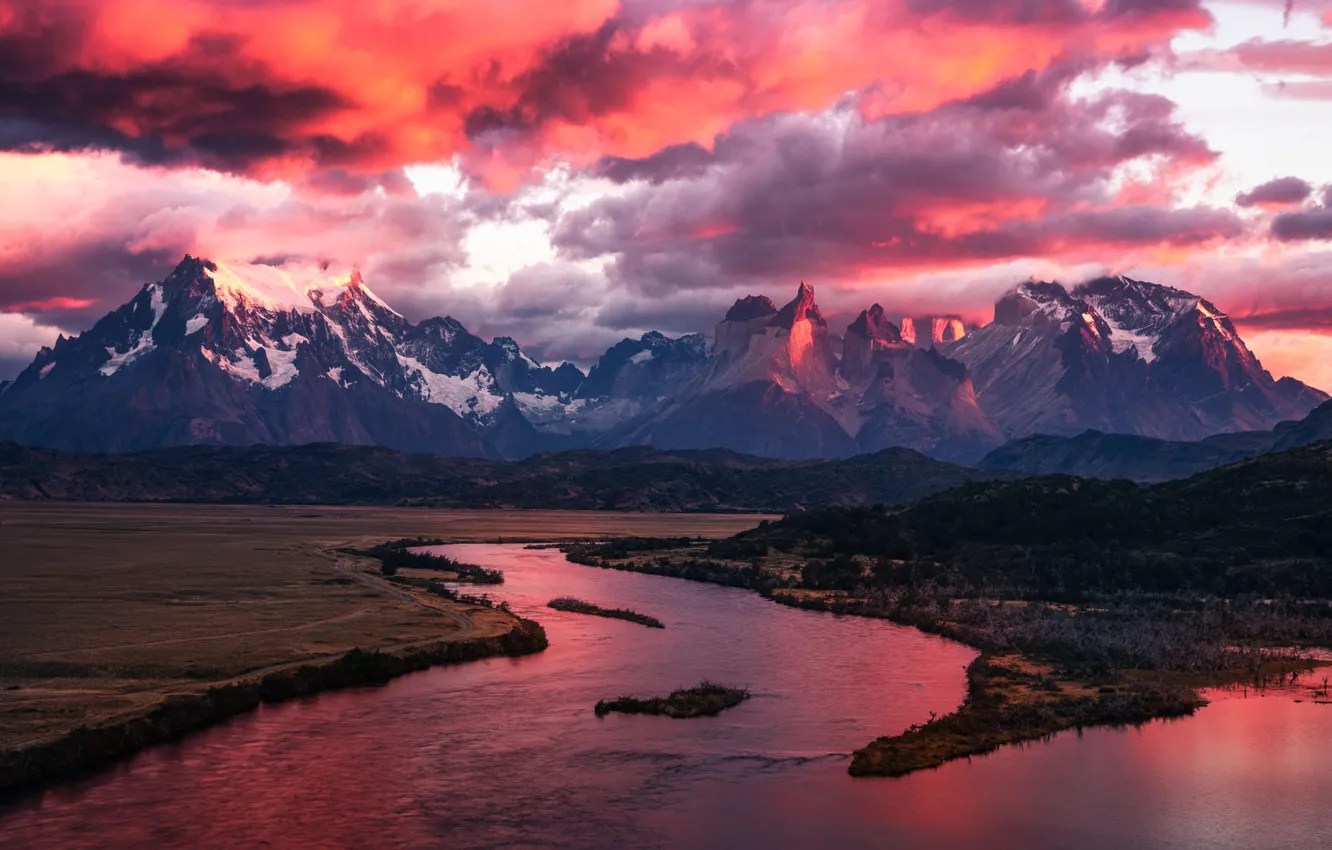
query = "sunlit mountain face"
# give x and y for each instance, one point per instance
(560, 179)
(218, 354)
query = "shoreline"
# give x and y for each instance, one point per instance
(1017, 697)
(151, 622)
(86, 748)
(989, 717)
(1012, 697)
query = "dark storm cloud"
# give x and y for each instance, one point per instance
(92, 279)
(1307, 224)
(1052, 12)
(337, 181)
(676, 161)
(579, 78)
(676, 316)
(1033, 90)
(273, 89)
(1016, 11)
(545, 291)
(189, 108)
(1004, 178)
(1282, 190)
(582, 78)
(1301, 319)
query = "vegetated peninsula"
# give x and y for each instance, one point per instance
(578, 606)
(1092, 602)
(396, 555)
(703, 700)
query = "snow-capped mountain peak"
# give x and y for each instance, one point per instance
(274, 330)
(1121, 355)
(242, 354)
(352, 293)
(249, 286)
(1137, 312)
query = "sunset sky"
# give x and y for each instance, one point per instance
(574, 173)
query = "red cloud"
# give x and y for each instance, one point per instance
(1285, 57)
(45, 305)
(281, 87)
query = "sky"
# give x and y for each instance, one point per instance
(573, 173)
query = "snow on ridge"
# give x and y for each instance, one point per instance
(1215, 318)
(1122, 339)
(325, 294)
(157, 303)
(541, 402)
(1058, 311)
(356, 278)
(195, 324)
(258, 285)
(282, 288)
(318, 296)
(641, 357)
(283, 366)
(143, 340)
(474, 393)
(347, 350)
(243, 366)
(544, 408)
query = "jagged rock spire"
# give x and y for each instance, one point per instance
(872, 324)
(750, 307)
(803, 307)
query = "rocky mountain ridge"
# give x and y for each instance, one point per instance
(1148, 460)
(1121, 356)
(234, 356)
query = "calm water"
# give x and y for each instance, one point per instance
(507, 751)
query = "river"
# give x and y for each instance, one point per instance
(508, 751)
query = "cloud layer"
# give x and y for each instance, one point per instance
(612, 167)
(281, 87)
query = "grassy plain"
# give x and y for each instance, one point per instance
(105, 609)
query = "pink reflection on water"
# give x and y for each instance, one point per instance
(508, 752)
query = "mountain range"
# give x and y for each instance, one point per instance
(214, 355)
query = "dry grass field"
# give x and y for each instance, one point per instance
(106, 608)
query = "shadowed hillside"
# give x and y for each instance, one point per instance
(624, 479)
(1147, 460)
(1261, 526)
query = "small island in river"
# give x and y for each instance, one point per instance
(578, 606)
(704, 700)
